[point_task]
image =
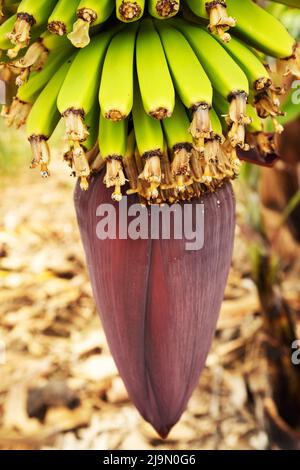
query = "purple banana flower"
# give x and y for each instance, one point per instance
(158, 301)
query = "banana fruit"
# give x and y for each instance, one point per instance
(83, 75)
(116, 88)
(191, 82)
(154, 78)
(43, 119)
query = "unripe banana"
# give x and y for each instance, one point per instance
(129, 10)
(63, 17)
(216, 12)
(265, 96)
(260, 29)
(154, 78)
(81, 86)
(163, 9)
(225, 75)
(191, 82)
(150, 143)
(17, 114)
(30, 13)
(113, 145)
(43, 119)
(116, 88)
(89, 13)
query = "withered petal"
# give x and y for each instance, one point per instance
(159, 303)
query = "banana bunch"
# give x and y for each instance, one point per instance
(166, 106)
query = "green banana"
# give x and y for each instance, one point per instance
(163, 9)
(81, 86)
(265, 95)
(180, 143)
(225, 75)
(43, 119)
(261, 29)
(216, 11)
(129, 10)
(30, 13)
(154, 78)
(116, 88)
(89, 13)
(113, 146)
(191, 82)
(63, 17)
(150, 144)
(257, 74)
(17, 114)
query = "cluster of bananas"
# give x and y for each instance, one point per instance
(165, 105)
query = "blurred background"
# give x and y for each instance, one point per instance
(59, 388)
